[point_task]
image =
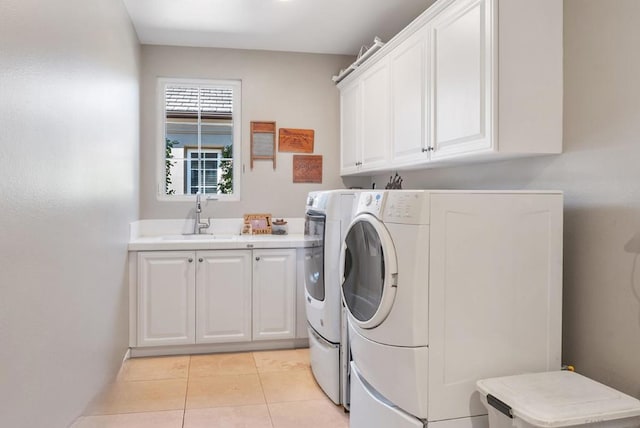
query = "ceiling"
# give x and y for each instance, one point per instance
(316, 26)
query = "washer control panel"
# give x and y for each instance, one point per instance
(405, 206)
(371, 202)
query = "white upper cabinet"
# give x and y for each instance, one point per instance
(408, 101)
(468, 80)
(364, 113)
(350, 134)
(461, 79)
(375, 116)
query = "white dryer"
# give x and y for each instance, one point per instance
(328, 213)
(444, 288)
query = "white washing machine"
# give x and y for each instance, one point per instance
(328, 213)
(444, 288)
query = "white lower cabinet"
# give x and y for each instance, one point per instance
(217, 296)
(166, 298)
(223, 296)
(274, 294)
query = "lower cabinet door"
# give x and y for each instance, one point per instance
(274, 294)
(166, 298)
(223, 296)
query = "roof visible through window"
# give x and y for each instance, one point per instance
(182, 101)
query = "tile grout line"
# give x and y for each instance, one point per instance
(262, 389)
(186, 393)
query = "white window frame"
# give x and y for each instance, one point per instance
(161, 115)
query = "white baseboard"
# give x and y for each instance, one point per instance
(154, 351)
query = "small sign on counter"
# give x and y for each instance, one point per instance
(258, 224)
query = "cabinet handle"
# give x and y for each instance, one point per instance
(190, 260)
(258, 258)
(428, 149)
(200, 259)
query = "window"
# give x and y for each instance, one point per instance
(200, 144)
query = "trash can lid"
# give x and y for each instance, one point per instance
(559, 399)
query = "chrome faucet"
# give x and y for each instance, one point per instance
(198, 225)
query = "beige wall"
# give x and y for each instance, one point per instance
(295, 90)
(599, 172)
(68, 189)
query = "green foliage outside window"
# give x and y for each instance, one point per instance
(168, 164)
(225, 185)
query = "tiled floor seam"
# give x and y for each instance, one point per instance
(262, 389)
(186, 393)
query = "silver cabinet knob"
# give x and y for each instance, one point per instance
(200, 259)
(258, 258)
(190, 260)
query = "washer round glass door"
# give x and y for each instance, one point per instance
(369, 271)
(314, 226)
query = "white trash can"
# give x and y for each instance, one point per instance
(556, 399)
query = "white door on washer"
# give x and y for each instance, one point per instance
(369, 271)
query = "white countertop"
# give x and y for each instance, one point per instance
(166, 235)
(215, 242)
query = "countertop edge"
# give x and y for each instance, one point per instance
(249, 242)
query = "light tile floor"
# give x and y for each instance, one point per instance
(267, 389)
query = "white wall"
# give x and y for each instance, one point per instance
(599, 172)
(69, 132)
(293, 89)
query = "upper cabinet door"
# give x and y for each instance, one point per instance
(375, 116)
(350, 131)
(223, 296)
(462, 81)
(408, 95)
